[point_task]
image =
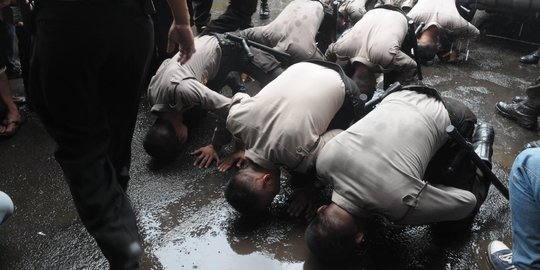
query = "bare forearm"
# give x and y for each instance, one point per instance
(180, 11)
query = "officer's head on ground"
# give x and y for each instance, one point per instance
(252, 189)
(164, 139)
(334, 234)
(364, 79)
(428, 44)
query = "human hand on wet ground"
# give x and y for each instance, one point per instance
(234, 159)
(206, 155)
(304, 201)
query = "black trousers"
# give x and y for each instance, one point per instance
(263, 67)
(3, 62)
(200, 11)
(89, 61)
(236, 16)
(451, 166)
(533, 93)
(3, 45)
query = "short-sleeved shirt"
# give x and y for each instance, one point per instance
(177, 88)
(293, 31)
(286, 123)
(382, 158)
(353, 10)
(444, 15)
(375, 41)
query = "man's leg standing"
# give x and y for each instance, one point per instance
(201, 13)
(525, 204)
(73, 52)
(122, 83)
(236, 16)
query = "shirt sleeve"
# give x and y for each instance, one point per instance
(405, 65)
(191, 92)
(222, 135)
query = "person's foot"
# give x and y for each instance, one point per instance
(200, 28)
(11, 125)
(500, 256)
(518, 99)
(530, 59)
(129, 258)
(522, 113)
(482, 140)
(264, 11)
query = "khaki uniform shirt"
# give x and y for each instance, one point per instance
(444, 15)
(375, 41)
(377, 164)
(293, 31)
(285, 123)
(177, 88)
(403, 4)
(353, 10)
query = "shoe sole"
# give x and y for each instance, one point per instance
(528, 63)
(532, 127)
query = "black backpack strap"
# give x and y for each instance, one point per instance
(352, 91)
(460, 115)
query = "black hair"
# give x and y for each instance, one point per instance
(426, 52)
(329, 240)
(161, 141)
(240, 196)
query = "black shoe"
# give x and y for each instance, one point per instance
(523, 113)
(200, 29)
(518, 99)
(533, 144)
(129, 259)
(482, 140)
(264, 11)
(530, 59)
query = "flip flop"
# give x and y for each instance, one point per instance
(16, 125)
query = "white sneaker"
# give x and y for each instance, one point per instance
(500, 256)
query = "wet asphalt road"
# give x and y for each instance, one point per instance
(185, 222)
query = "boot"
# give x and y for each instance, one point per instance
(518, 99)
(128, 258)
(524, 113)
(483, 146)
(483, 142)
(533, 144)
(264, 11)
(531, 58)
